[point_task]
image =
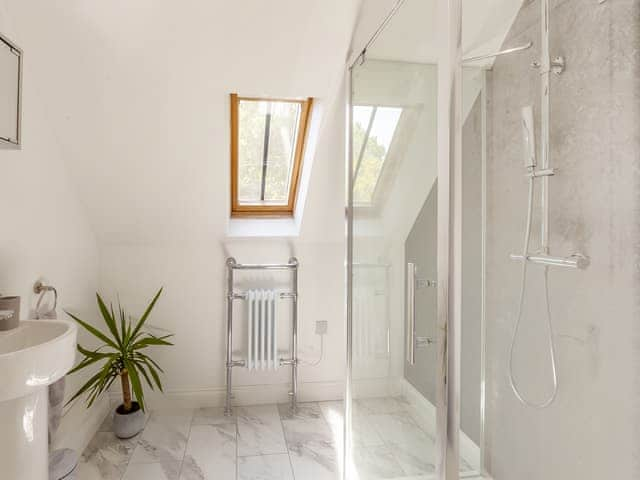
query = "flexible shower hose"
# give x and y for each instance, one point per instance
(523, 283)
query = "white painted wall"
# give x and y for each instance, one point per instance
(44, 232)
(137, 97)
(126, 136)
(128, 104)
(194, 306)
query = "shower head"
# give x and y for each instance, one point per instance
(529, 137)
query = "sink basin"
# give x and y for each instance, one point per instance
(35, 354)
(32, 356)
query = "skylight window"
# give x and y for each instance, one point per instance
(267, 144)
(374, 128)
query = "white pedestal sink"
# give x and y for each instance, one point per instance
(32, 356)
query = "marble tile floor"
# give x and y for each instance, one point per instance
(265, 442)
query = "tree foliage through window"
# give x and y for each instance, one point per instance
(373, 132)
(267, 144)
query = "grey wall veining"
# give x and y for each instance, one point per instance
(588, 433)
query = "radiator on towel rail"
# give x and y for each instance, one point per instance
(262, 332)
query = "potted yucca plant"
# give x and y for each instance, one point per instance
(122, 356)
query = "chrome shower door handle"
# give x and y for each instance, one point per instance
(411, 313)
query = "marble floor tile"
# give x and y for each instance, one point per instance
(152, 471)
(333, 413)
(265, 467)
(300, 430)
(308, 410)
(398, 428)
(266, 442)
(379, 405)
(376, 462)
(164, 438)
(106, 457)
(465, 466)
(315, 460)
(430, 476)
(363, 432)
(416, 458)
(91, 471)
(259, 431)
(107, 423)
(426, 420)
(211, 416)
(312, 448)
(332, 408)
(211, 453)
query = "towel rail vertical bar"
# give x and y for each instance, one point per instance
(230, 264)
(294, 337)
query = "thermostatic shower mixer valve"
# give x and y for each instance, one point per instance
(557, 65)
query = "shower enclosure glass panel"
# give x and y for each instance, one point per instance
(472, 263)
(487, 41)
(540, 177)
(394, 336)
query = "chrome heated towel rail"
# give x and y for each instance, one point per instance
(232, 295)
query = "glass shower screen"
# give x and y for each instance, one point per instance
(510, 378)
(395, 338)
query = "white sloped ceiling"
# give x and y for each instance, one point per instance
(137, 95)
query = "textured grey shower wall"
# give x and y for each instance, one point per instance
(588, 433)
(420, 248)
(471, 341)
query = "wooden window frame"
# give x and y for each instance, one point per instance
(238, 210)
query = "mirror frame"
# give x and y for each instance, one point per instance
(8, 142)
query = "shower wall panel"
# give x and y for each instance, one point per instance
(588, 433)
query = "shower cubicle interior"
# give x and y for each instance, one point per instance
(528, 108)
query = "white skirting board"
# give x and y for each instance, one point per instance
(264, 393)
(425, 413)
(242, 395)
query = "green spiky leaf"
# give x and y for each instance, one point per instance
(109, 320)
(94, 331)
(145, 315)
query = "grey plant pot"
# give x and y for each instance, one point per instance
(127, 425)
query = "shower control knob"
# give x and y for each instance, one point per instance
(424, 341)
(425, 283)
(557, 65)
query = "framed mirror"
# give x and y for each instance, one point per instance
(10, 93)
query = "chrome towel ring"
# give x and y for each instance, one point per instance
(42, 289)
